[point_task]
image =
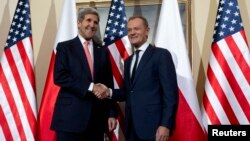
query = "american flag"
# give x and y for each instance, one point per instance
(227, 91)
(116, 40)
(17, 84)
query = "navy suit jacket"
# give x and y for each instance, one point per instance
(151, 100)
(75, 103)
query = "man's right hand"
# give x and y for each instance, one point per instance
(101, 91)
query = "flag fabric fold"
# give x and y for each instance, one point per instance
(170, 35)
(18, 112)
(67, 30)
(227, 90)
(116, 40)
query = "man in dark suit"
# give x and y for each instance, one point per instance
(150, 90)
(79, 64)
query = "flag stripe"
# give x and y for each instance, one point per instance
(227, 90)
(122, 50)
(4, 124)
(21, 91)
(219, 92)
(121, 118)
(27, 95)
(13, 105)
(238, 64)
(25, 71)
(116, 40)
(18, 99)
(116, 72)
(213, 118)
(241, 63)
(231, 79)
(7, 110)
(244, 57)
(244, 40)
(118, 54)
(29, 67)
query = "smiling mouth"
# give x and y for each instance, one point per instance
(88, 31)
(133, 37)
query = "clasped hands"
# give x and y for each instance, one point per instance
(101, 91)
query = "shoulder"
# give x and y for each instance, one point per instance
(160, 50)
(161, 53)
(68, 43)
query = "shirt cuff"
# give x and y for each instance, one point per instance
(91, 86)
(110, 93)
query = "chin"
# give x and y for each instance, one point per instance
(134, 43)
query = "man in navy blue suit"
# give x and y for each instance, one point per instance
(79, 64)
(150, 88)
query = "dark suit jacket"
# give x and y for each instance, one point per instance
(74, 103)
(151, 100)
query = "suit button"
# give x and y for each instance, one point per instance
(131, 92)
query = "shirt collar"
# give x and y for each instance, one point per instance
(83, 40)
(143, 47)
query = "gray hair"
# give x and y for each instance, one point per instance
(83, 12)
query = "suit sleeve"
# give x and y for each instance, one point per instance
(63, 76)
(120, 94)
(168, 81)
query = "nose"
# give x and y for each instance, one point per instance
(91, 24)
(131, 32)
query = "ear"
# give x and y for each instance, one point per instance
(79, 23)
(148, 29)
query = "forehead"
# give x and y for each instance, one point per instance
(135, 22)
(91, 16)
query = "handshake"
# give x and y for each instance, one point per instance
(101, 91)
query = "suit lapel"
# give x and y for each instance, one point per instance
(127, 68)
(79, 51)
(145, 57)
(97, 55)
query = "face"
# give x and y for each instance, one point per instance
(137, 32)
(88, 26)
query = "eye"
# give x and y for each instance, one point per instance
(136, 29)
(88, 20)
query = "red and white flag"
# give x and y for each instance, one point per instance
(170, 35)
(67, 30)
(18, 111)
(226, 98)
(116, 40)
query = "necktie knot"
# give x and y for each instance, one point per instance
(137, 52)
(86, 44)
